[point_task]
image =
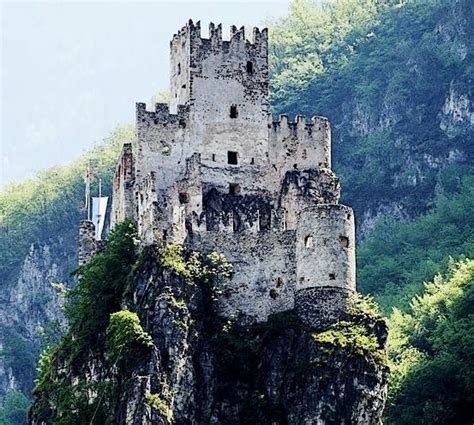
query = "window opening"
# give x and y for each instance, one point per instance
(233, 111)
(232, 157)
(183, 198)
(344, 240)
(234, 189)
(250, 67)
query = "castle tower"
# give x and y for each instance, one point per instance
(325, 262)
(225, 84)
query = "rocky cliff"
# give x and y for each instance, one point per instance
(31, 312)
(181, 363)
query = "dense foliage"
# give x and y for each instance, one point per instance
(432, 347)
(13, 410)
(400, 256)
(380, 71)
(52, 203)
(102, 282)
(125, 335)
(97, 324)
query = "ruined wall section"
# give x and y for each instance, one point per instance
(152, 219)
(299, 144)
(88, 245)
(300, 189)
(123, 198)
(263, 280)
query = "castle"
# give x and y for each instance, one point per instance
(212, 171)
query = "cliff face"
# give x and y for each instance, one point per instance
(31, 310)
(417, 126)
(203, 369)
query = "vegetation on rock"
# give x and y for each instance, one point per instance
(125, 335)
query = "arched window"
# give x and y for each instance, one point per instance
(179, 68)
(233, 111)
(249, 67)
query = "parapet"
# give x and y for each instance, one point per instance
(300, 143)
(300, 125)
(191, 33)
(162, 115)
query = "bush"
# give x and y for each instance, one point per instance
(102, 283)
(125, 335)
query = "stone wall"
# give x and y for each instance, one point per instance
(264, 264)
(123, 198)
(325, 247)
(88, 245)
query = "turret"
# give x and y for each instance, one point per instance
(325, 262)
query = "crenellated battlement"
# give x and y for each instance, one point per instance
(198, 63)
(300, 143)
(191, 32)
(161, 114)
(300, 124)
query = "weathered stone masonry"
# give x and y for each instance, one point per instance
(211, 170)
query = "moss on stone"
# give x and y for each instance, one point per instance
(124, 333)
(353, 339)
(156, 402)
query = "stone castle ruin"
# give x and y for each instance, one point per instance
(213, 172)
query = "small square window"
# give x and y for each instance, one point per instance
(234, 189)
(183, 198)
(232, 158)
(249, 67)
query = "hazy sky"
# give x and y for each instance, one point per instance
(72, 71)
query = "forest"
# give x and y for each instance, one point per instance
(382, 72)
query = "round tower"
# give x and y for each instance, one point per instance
(325, 262)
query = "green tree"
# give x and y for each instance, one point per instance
(431, 350)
